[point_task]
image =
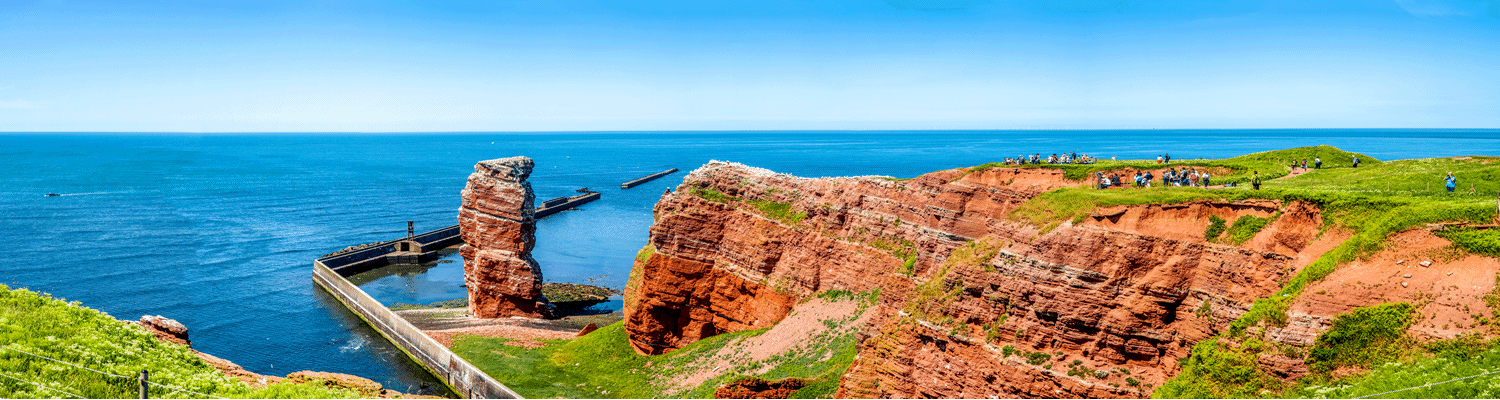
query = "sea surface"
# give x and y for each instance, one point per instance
(219, 231)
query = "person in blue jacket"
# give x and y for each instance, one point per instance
(1451, 181)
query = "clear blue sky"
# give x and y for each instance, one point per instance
(330, 65)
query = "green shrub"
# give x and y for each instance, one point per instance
(1485, 242)
(1363, 337)
(1213, 371)
(1247, 226)
(1037, 358)
(1215, 228)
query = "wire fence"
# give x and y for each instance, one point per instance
(1429, 385)
(157, 384)
(40, 385)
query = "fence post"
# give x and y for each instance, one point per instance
(145, 384)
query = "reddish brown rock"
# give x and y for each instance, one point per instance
(756, 388)
(168, 330)
(497, 224)
(1134, 288)
(587, 329)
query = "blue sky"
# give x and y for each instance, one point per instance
(223, 66)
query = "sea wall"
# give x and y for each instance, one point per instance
(460, 376)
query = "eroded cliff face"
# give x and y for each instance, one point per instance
(498, 227)
(973, 303)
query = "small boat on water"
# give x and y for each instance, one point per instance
(53, 195)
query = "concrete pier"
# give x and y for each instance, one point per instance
(415, 249)
(648, 178)
(329, 273)
(553, 206)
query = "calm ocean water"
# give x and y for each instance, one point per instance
(219, 231)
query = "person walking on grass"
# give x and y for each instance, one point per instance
(1356, 161)
(1451, 181)
(1255, 180)
(1318, 162)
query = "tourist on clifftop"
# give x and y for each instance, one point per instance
(1318, 162)
(1255, 180)
(1451, 181)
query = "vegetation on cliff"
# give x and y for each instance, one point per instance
(36, 323)
(602, 364)
(1269, 164)
(1373, 201)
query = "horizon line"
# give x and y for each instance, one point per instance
(734, 130)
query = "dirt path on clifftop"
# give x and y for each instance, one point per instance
(803, 324)
(445, 325)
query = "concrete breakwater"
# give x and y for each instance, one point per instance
(414, 249)
(556, 205)
(647, 178)
(460, 376)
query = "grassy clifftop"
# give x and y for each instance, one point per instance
(1373, 201)
(39, 324)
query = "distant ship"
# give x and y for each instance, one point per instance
(53, 195)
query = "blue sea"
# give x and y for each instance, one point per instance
(219, 231)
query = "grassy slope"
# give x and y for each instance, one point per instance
(39, 324)
(1270, 164)
(1374, 200)
(603, 365)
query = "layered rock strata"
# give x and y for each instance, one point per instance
(498, 228)
(974, 302)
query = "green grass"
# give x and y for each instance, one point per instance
(645, 253)
(39, 324)
(1270, 164)
(1215, 228)
(713, 195)
(1050, 209)
(1247, 226)
(1365, 336)
(1452, 359)
(1485, 242)
(603, 365)
(781, 212)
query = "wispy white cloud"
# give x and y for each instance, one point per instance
(17, 104)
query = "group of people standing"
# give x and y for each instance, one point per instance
(1317, 163)
(1170, 177)
(1185, 177)
(1038, 158)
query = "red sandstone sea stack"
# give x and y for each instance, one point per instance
(498, 227)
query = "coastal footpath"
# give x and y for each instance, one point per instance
(1030, 281)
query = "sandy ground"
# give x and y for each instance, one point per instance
(1449, 291)
(446, 324)
(804, 323)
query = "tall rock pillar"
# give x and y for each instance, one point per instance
(499, 229)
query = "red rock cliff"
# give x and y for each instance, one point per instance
(972, 301)
(498, 228)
